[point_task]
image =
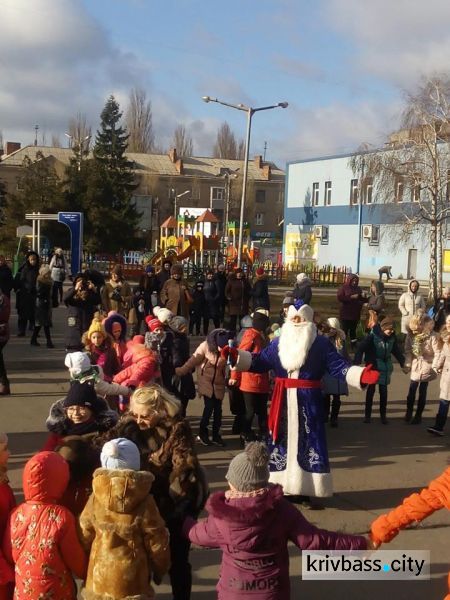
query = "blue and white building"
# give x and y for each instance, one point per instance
(330, 218)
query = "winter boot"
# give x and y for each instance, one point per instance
(441, 419)
(4, 389)
(49, 339)
(33, 340)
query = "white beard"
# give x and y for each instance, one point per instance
(295, 343)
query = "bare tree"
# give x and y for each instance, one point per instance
(182, 141)
(80, 134)
(56, 142)
(225, 146)
(415, 166)
(139, 122)
(241, 150)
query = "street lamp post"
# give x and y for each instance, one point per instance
(175, 200)
(360, 207)
(250, 112)
(78, 148)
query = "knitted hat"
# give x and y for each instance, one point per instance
(154, 324)
(149, 269)
(82, 394)
(246, 322)
(259, 271)
(77, 362)
(176, 269)
(178, 323)
(96, 327)
(120, 454)
(301, 277)
(163, 314)
(260, 321)
(249, 470)
(334, 323)
(288, 301)
(387, 323)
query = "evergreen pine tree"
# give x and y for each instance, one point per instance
(113, 217)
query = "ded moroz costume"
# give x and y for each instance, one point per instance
(297, 439)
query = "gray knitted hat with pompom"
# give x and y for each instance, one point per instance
(249, 470)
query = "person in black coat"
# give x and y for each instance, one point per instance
(183, 387)
(197, 310)
(220, 279)
(260, 290)
(6, 277)
(212, 299)
(164, 274)
(303, 288)
(441, 309)
(25, 287)
(142, 296)
(82, 300)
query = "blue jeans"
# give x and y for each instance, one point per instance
(213, 406)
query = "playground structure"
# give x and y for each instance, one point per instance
(188, 237)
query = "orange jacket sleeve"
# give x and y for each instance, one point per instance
(413, 509)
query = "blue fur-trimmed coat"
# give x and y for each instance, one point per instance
(299, 457)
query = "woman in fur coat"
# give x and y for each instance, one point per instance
(122, 529)
(166, 445)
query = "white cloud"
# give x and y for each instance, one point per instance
(60, 61)
(397, 40)
(334, 129)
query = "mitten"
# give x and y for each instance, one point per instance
(369, 376)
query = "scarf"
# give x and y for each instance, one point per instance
(232, 494)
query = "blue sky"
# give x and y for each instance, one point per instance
(341, 65)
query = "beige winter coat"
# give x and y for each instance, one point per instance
(126, 535)
(421, 366)
(175, 296)
(442, 362)
(210, 371)
(409, 304)
(110, 302)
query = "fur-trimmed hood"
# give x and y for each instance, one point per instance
(57, 421)
(121, 490)
(115, 317)
(244, 522)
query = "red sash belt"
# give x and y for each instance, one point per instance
(281, 384)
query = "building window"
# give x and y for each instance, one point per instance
(399, 189)
(315, 194)
(327, 194)
(368, 190)
(217, 193)
(259, 218)
(354, 191)
(260, 196)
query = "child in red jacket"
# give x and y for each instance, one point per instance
(7, 503)
(41, 537)
(252, 523)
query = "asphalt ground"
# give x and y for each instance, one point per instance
(374, 467)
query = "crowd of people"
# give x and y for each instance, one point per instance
(114, 495)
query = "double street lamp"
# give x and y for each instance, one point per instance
(250, 112)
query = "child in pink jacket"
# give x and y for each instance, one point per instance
(252, 523)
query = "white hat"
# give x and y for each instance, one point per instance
(163, 314)
(305, 312)
(334, 323)
(120, 454)
(77, 362)
(301, 277)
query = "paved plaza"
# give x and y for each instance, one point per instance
(374, 467)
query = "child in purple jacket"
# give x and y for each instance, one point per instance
(252, 522)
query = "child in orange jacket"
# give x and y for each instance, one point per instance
(413, 509)
(7, 504)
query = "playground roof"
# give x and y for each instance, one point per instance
(207, 217)
(169, 222)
